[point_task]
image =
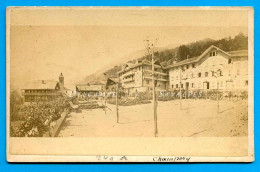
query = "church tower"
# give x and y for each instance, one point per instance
(61, 81)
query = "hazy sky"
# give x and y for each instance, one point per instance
(78, 44)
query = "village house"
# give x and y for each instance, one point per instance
(43, 90)
(90, 89)
(213, 69)
(111, 84)
(137, 77)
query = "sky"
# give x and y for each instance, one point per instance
(80, 42)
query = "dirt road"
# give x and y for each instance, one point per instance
(197, 118)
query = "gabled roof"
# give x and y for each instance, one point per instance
(97, 83)
(41, 85)
(115, 80)
(198, 58)
(89, 87)
(130, 65)
(238, 53)
(139, 63)
(112, 81)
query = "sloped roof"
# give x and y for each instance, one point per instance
(139, 63)
(112, 81)
(89, 87)
(130, 65)
(99, 83)
(238, 53)
(115, 80)
(198, 58)
(41, 85)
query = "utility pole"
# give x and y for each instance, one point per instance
(149, 49)
(117, 116)
(154, 99)
(218, 95)
(218, 74)
(180, 86)
(105, 96)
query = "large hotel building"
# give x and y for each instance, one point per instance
(138, 77)
(213, 69)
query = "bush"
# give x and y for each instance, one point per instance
(144, 96)
(128, 102)
(89, 105)
(38, 116)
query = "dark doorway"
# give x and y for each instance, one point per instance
(187, 89)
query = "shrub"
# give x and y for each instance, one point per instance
(38, 116)
(128, 102)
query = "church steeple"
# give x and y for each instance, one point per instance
(61, 81)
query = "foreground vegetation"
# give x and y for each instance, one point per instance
(34, 119)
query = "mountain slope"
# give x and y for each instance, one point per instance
(165, 55)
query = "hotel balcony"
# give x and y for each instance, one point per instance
(156, 72)
(129, 74)
(158, 79)
(128, 79)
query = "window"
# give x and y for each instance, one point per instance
(214, 53)
(193, 65)
(192, 85)
(199, 75)
(229, 61)
(206, 74)
(212, 73)
(177, 86)
(172, 85)
(147, 81)
(246, 83)
(181, 85)
(187, 66)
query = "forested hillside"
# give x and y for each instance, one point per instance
(166, 56)
(239, 42)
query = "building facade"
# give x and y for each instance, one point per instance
(89, 89)
(213, 69)
(43, 90)
(137, 77)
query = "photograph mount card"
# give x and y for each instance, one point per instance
(130, 84)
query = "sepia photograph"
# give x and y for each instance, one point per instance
(130, 84)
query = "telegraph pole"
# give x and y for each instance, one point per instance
(149, 47)
(105, 96)
(218, 95)
(154, 99)
(117, 116)
(180, 88)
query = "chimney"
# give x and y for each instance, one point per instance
(174, 61)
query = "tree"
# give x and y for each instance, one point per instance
(184, 51)
(15, 99)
